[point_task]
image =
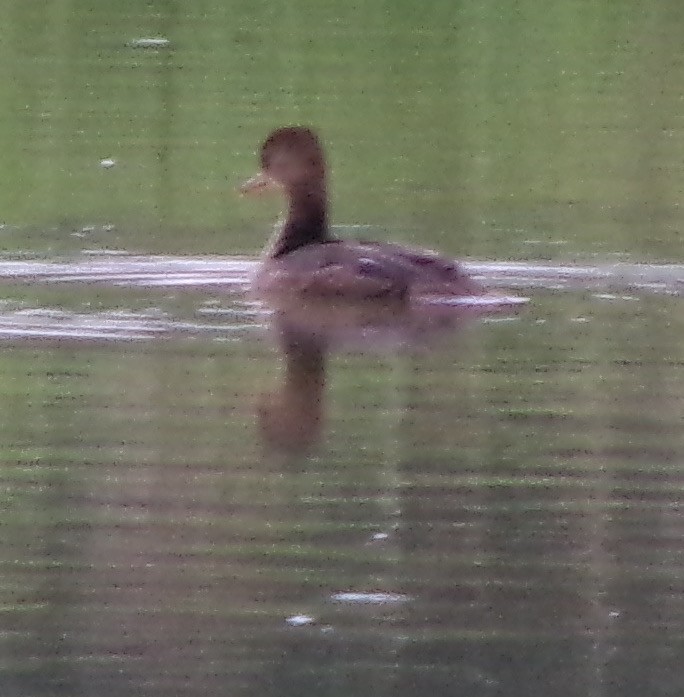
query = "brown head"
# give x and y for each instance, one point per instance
(291, 157)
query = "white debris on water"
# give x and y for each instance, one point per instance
(150, 42)
(107, 163)
(354, 598)
(480, 300)
(613, 296)
(299, 620)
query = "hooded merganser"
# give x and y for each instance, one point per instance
(305, 259)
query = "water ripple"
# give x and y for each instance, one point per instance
(232, 273)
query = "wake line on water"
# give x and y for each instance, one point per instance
(233, 273)
(230, 276)
(48, 324)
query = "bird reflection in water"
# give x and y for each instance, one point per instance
(291, 418)
(333, 293)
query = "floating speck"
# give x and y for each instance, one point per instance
(299, 620)
(499, 320)
(479, 300)
(379, 536)
(369, 598)
(150, 42)
(105, 252)
(107, 163)
(611, 296)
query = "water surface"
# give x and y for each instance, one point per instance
(201, 495)
(521, 131)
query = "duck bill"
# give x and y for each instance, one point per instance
(258, 184)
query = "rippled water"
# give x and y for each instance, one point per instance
(231, 276)
(204, 495)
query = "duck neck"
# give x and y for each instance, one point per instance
(307, 220)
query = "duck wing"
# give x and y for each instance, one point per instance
(427, 272)
(358, 272)
(368, 270)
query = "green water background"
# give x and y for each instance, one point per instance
(491, 129)
(526, 472)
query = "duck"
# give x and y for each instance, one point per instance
(305, 260)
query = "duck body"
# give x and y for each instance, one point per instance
(304, 259)
(360, 270)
